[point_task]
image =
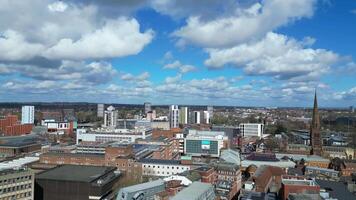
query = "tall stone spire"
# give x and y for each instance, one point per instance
(315, 137)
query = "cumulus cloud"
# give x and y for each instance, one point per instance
(13, 46)
(181, 67)
(275, 55)
(346, 95)
(117, 38)
(245, 24)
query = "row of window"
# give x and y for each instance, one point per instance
(17, 196)
(167, 167)
(15, 188)
(15, 180)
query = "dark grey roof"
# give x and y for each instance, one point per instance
(338, 189)
(75, 173)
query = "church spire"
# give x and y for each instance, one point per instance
(315, 137)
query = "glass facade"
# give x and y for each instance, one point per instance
(200, 147)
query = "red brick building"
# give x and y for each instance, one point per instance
(10, 126)
(156, 133)
(298, 184)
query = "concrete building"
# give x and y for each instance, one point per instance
(174, 116)
(251, 130)
(60, 127)
(206, 117)
(163, 125)
(196, 117)
(17, 184)
(141, 191)
(100, 110)
(110, 117)
(156, 167)
(205, 143)
(148, 107)
(210, 110)
(13, 148)
(322, 173)
(183, 115)
(118, 135)
(196, 191)
(28, 115)
(77, 182)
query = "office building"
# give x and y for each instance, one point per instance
(205, 143)
(196, 117)
(196, 191)
(110, 117)
(28, 115)
(157, 167)
(60, 127)
(76, 182)
(210, 110)
(183, 115)
(148, 107)
(11, 148)
(206, 117)
(117, 135)
(100, 110)
(17, 184)
(141, 191)
(174, 116)
(251, 130)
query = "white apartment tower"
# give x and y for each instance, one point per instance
(251, 129)
(174, 116)
(183, 115)
(110, 117)
(100, 110)
(196, 119)
(28, 115)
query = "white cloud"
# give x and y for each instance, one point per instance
(117, 38)
(346, 95)
(245, 25)
(13, 46)
(58, 6)
(181, 67)
(275, 55)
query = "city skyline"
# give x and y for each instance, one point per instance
(238, 53)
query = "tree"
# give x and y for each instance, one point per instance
(280, 129)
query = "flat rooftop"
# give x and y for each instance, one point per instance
(193, 191)
(74, 173)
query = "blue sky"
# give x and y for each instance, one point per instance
(243, 53)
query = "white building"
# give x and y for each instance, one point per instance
(251, 129)
(210, 109)
(147, 107)
(183, 115)
(196, 117)
(207, 117)
(100, 110)
(119, 135)
(110, 117)
(174, 116)
(153, 167)
(28, 115)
